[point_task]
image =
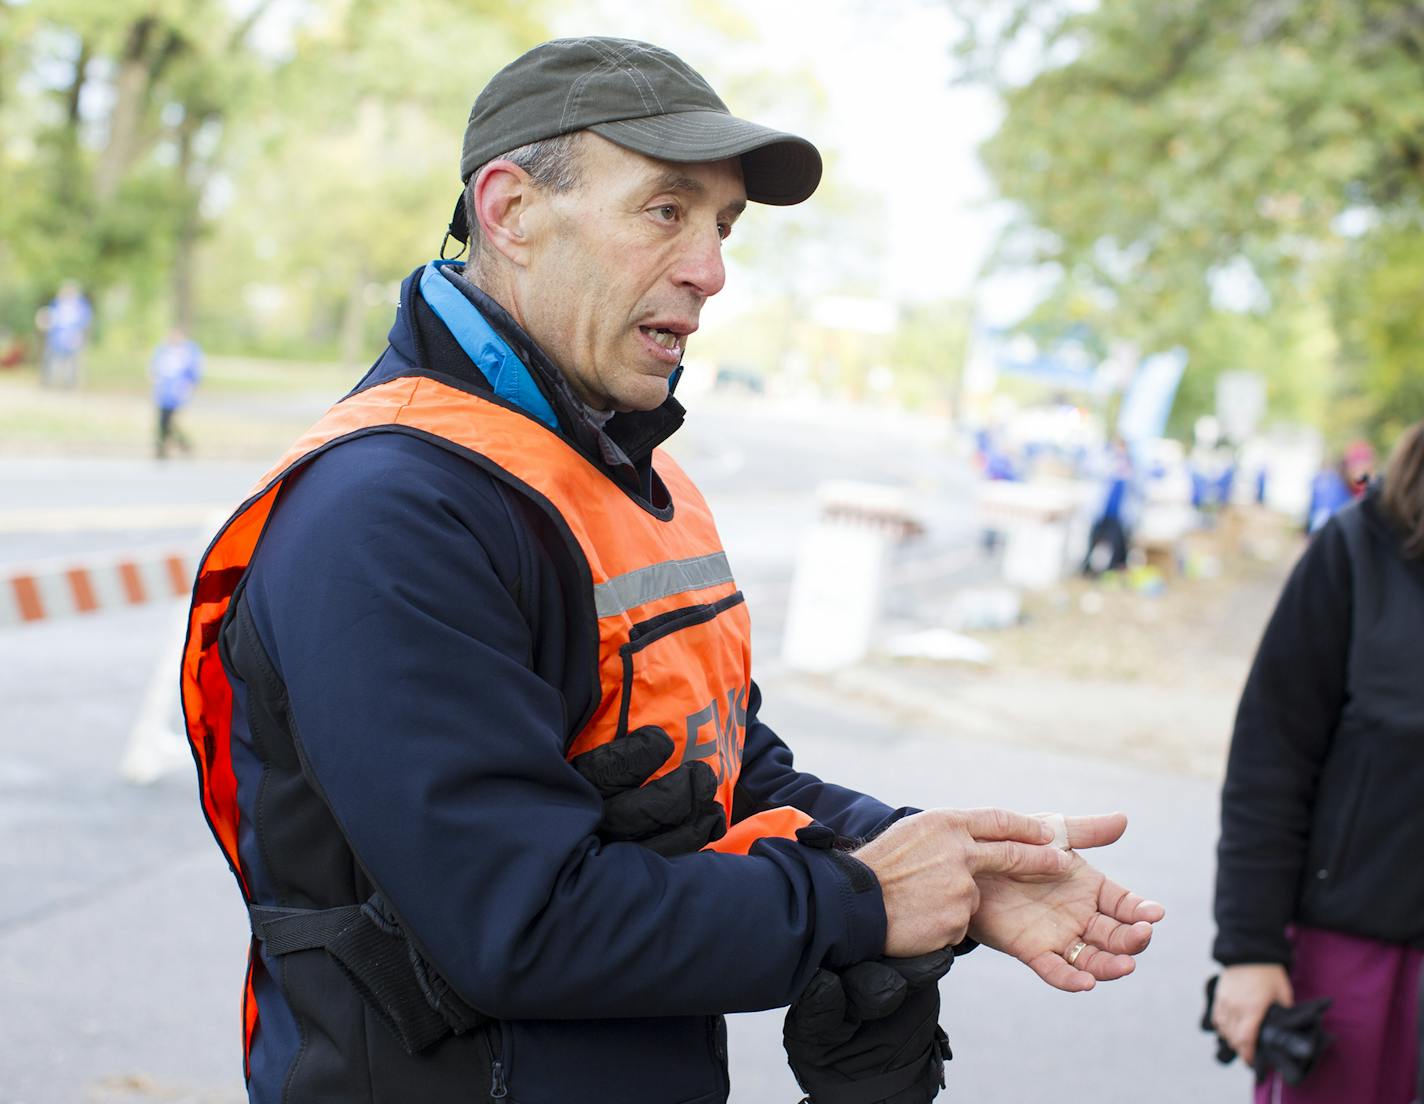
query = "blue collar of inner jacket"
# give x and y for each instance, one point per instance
(508, 376)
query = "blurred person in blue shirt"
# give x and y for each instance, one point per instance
(1108, 540)
(65, 324)
(1336, 487)
(175, 370)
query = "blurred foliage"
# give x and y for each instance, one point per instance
(1241, 177)
(928, 351)
(264, 172)
(259, 142)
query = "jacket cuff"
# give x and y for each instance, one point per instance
(857, 891)
(961, 948)
(898, 814)
(1254, 949)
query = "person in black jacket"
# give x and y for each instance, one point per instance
(1319, 891)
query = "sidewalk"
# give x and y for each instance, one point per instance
(1093, 671)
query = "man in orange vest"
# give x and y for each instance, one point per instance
(469, 688)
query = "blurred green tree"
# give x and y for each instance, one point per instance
(928, 351)
(132, 130)
(112, 117)
(1215, 173)
(351, 176)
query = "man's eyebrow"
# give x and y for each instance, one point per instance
(674, 181)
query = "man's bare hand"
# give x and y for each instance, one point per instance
(1040, 920)
(927, 866)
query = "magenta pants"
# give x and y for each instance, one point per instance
(1375, 1020)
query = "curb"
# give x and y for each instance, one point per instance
(51, 591)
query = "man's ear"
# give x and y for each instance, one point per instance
(505, 196)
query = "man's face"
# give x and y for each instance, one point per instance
(620, 266)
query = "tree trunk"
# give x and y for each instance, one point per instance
(148, 50)
(353, 319)
(75, 90)
(187, 237)
(130, 94)
(68, 179)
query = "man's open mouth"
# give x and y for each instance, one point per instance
(666, 338)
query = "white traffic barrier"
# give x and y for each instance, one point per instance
(839, 575)
(155, 747)
(63, 589)
(1037, 519)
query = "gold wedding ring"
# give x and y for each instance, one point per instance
(1074, 952)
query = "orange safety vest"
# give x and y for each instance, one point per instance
(674, 634)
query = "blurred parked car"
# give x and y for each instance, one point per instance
(736, 378)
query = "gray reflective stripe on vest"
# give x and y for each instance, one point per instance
(624, 592)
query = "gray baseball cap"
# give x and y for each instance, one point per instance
(638, 96)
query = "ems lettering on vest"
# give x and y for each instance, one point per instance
(726, 721)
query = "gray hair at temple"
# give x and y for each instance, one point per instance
(551, 163)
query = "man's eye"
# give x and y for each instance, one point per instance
(667, 212)
(724, 230)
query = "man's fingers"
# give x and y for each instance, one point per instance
(1126, 906)
(1103, 965)
(1019, 859)
(1052, 968)
(1001, 824)
(1091, 966)
(1095, 831)
(1116, 937)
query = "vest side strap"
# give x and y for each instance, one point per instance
(285, 930)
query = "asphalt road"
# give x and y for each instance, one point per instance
(122, 938)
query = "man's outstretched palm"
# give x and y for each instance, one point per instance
(1039, 919)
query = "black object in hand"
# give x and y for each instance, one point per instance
(870, 1034)
(1291, 1040)
(675, 815)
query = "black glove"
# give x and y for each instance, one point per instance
(870, 1034)
(675, 815)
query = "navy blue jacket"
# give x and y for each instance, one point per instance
(416, 615)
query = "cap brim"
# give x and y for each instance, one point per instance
(777, 168)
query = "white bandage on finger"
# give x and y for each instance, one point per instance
(1060, 829)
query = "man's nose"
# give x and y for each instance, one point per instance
(700, 266)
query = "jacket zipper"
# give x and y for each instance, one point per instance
(717, 1026)
(646, 632)
(494, 1038)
